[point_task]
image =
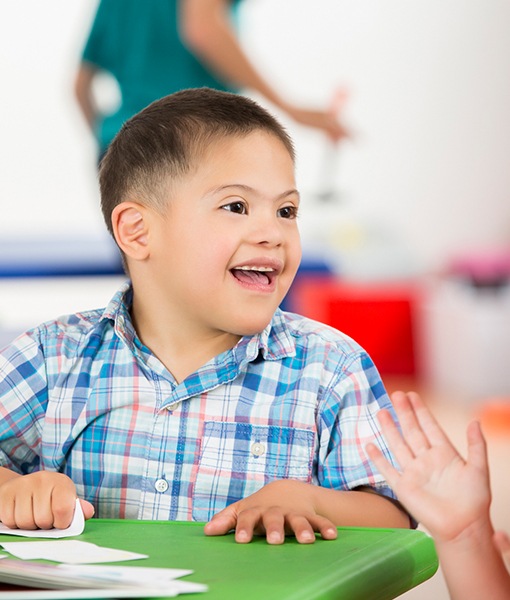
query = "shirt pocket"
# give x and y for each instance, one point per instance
(237, 459)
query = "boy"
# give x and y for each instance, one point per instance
(192, 396)
(449, 495)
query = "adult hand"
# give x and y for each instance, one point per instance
(329, 121)
(502, 542)
(448, 494)
(326, 121)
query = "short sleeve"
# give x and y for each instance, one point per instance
(347, 423)
(101, 47)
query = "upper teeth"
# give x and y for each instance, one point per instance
(267, 269)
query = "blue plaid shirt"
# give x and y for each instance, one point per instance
(81, 395)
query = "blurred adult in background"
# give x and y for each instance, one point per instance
(156, 47)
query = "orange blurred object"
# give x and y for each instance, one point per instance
(494, 415)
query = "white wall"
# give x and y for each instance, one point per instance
(425, 176)
(47, 179)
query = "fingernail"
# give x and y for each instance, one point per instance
(274, 538)
(242, 536)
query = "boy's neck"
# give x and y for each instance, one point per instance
(182, 348)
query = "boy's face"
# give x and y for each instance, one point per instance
(226, 251)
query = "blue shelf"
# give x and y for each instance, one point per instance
(61, 257)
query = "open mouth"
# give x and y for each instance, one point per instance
(257, 276)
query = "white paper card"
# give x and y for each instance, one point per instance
(127, 575)
(87, 594)
(164, 579)
(68, 551)
(77, 526)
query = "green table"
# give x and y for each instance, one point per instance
(360, 564)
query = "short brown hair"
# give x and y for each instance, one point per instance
(168, 137)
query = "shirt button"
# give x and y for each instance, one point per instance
(161, 485)
(258, 449)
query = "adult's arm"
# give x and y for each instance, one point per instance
(83, 92)
(205, 27)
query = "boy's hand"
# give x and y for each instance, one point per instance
(41, 500)
(449, 495)
(279, 508)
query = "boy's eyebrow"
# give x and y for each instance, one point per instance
(248, 188)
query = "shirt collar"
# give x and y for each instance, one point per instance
(118, 311)
(119, 303)
(274, 342)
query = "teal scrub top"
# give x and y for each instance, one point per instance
(138, 43)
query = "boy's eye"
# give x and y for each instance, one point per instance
(288, 212)
(236, 207)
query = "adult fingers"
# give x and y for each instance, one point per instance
(414, 436)
(502, 543)
(383, 465)
(429, 425)
(477, 448)
(396, 442)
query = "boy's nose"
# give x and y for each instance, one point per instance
(267, 230)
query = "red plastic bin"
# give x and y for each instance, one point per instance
(379, 316)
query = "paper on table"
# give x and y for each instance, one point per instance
(72, 581)
(68, 551)
(89, 593)
(77, 526)
(165, 579)
(120, 574)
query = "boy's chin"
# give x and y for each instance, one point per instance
(252, 327)
(251, 320)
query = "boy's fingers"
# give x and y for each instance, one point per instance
(273, 523)
(43, 515)
(222, 522)
(7, 511)
(302, 528)
(63, 503)
(62, 496)
(41, 500)
(325, 527)
(23, 512)
(249, 523)
(87, 508)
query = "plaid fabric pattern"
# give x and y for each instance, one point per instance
(82, 395)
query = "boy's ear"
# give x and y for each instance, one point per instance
(130, 228)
